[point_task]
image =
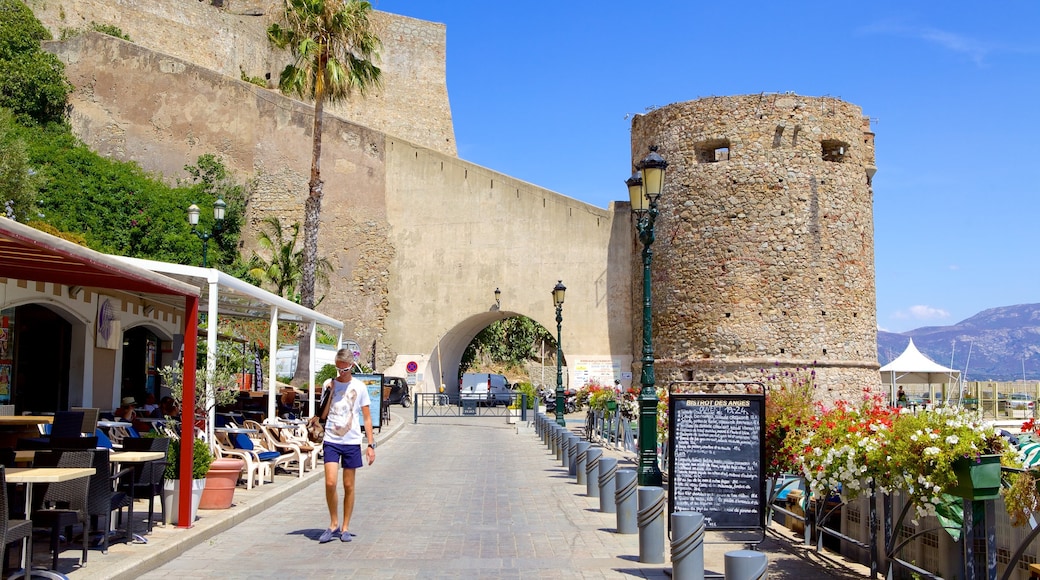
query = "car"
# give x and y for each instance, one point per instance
(398, 391)
(1021, 401)
(485, 388)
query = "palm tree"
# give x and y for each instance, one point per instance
(333, 46)
(286, 263)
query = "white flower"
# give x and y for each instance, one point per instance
(952, 440)
(929, 451)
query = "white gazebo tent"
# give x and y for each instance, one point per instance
(914, 368)
(226, 295)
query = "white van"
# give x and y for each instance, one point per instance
(487, 388)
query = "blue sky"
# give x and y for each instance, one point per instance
(952, 89)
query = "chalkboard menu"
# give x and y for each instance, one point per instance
(717, 458)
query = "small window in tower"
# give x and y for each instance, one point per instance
(712, 151)
(834, 150)
(687, 375)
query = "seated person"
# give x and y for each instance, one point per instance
(149, 406)
(126, 411)
(286, 401)
(167, 408)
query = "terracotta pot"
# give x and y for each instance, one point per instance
(221, 480)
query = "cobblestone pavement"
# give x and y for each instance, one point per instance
(448, 498)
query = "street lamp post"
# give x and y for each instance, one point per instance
(218, 224)
(557, 294)
(644, 189)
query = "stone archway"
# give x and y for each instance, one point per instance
(442, 363)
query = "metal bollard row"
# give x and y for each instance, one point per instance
(592, 457)
(687, 546)
(625, 500)
(607, 470)
(651, 524)
(745, 565)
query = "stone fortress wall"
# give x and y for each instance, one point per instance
(412, 102)
(764, 248)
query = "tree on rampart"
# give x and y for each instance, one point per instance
(333, 47)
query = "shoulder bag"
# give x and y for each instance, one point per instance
(315, 425)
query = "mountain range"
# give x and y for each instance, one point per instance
(998, 344)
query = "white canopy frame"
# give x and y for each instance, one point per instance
(914, 368)
(229, 296)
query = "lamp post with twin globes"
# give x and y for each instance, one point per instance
(558, 294)
(219, 207)
(644, 189)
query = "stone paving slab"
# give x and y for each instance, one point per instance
(447, 498)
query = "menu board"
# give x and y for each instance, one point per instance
(374, 384)
(717, 458)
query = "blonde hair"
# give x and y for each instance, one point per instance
(345, 355)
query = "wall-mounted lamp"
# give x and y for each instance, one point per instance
(74, 291)
(498, 297)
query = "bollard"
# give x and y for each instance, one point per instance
(565, 447)
(592, 471)
(687, 546)
(554, 432)
(572, 450)
(607, 469)
(625, 500)
(560, 434)
(651, 524)
(745, 565)
(579, 465)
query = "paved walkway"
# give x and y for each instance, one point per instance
(446, 498)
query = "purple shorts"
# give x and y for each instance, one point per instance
(348, 456)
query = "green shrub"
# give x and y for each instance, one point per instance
(326, 372)
(110, 30)
(33, 83)
(258, 81)
(202, 458)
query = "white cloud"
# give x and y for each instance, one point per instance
(954, 267)
(921, 312)
(976, 50)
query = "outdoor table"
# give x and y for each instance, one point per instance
(120, 457)
(109, 424)
(29, 476)
(234, 430)
(15, 427)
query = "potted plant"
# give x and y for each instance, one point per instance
(202, 459)
(218, 389)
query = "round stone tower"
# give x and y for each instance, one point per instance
(764, 251)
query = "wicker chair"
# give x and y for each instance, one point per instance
(12, 530)
(63, 504)
(148, 476)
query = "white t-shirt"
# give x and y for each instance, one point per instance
(343, 423)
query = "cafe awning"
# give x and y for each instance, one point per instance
(29, 254)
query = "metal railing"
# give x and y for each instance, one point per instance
(610, 429)
(431, 405)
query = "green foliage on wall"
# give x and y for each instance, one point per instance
(18, 180)
(33, 83)
(119, 208)
(510, 342)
